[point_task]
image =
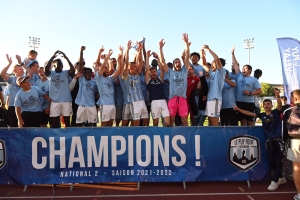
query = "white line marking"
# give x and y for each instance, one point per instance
(250, 197)
(148, 195)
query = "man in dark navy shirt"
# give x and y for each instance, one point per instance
(271, 122)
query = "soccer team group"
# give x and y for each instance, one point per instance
(127, 90)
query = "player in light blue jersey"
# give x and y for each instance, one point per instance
(59, 90)
(105, 85)
(195, 57)
(43, 83)
(34, 66)
(13, 88)
(178, 83)
(228, 116)
(133, 84)
(247, 88)
(85, 98)
(28, 103)
(216, 83)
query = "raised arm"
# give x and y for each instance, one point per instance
(147, 73)
(125, 72)
(81, 59)
(216, 58)
(119, 66)
(161, 55)
(140, 58)
(4, 70)
(203, 60)
(277, 95)
(25, 66)
(99, 56)
(72, 68)
(186, 61)
(48, 66)
(234, 62)
(105, 62)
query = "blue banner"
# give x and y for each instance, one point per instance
(290, 62)
(132, 154)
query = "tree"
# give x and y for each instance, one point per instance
(266, 89)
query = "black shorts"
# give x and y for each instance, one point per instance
(12, 117)
(45, 118)
(245, 106)
(229, 116)
(32, 119)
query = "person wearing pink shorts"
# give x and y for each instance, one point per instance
(178, 83)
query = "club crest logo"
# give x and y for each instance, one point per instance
(2, 154)
(243, 152)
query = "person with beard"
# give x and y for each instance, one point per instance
(85, 98)
(155, 88)
(216, 83)
(247, 87)
(59, 90)
(132, 82)
(28, 103)
(74, 91)
(18, 71)
(178, 84)
(272, 126)
(43, 83)
(105, 82)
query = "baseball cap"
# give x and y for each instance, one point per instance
(21, 79)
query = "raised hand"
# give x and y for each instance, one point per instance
(276, 92)
(155, 55)
(205, 47)
(82, 48)
(120, 57)
(8, 59)
(110, 52)
(102, 49)
(63, 54)
(129, 43)
(203, 54)
(233, 49)
(56, 52)
(148, 54)
(121, 49)
(185, 37)
(18, 59)
(78, 75)
(161, 43)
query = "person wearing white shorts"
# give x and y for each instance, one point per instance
(213, 108)
(132, 84)
(107, 113)
(155, 86)
(138, 110)
(126, 114)
(216, 80)
(59, 90)
(105, 83)
(60, 108)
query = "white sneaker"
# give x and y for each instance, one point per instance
(282, 181)
(273, 186)
(297, 197)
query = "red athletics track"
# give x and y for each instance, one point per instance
(199, 190)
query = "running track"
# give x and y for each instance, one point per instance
(157, 191)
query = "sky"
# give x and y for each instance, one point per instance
(67, 25)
